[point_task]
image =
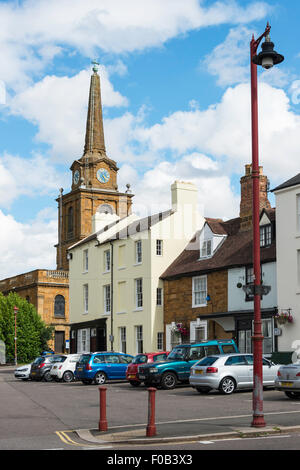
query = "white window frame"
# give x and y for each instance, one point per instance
(85, 298)
(159, 247)
(139, 293)
(107, 261)
(139, 339)
(138, 252)
(123, 339)
(206, 248)
(85, 261)
(202, 303)
(107, 299)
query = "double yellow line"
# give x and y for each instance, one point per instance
(67, 440)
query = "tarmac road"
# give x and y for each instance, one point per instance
(43, 416)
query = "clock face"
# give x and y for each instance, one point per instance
(76, 177)
(103, 175)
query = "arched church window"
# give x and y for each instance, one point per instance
(70, 221)
(105, 209)
(59, 306)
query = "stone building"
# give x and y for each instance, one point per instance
(203, 287)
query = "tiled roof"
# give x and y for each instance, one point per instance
(291, 182)
(236, 250)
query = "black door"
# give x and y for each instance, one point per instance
(101, 339)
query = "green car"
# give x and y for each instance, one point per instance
(176, 369)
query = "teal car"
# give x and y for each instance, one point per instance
(176, 369)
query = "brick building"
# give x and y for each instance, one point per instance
(203, 286)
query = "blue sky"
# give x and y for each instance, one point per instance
(176, 102)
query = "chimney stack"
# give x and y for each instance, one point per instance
(246, 196)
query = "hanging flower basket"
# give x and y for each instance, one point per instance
(284, 317)
(180, 330)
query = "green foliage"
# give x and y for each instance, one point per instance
(32, 333)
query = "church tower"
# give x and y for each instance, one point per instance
(94, 183)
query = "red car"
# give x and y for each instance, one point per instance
(132, 369)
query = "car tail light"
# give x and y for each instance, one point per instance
(41, 365)
(298, 375)
(278, 374)
(88, 367)
(211, 370)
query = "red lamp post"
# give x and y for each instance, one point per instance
(266, 58)
(15, 313)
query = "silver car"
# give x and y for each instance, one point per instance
(288, 380)
(229, 372)
(23, 372)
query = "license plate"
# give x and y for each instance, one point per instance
(33, 373)
(142, 376)
(286, 384)
(198, 371)
(80, 369)
(131, 376)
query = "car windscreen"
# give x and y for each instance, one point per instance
(207, 361)
(228, 348)
(141, 359)
(178, 353)
(57, 359)
(84, 359)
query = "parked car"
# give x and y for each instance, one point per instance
(176, 369)
(132, 369)
(65, 370)
(23, 372)
(41, 366)
(288, 380)
(102, 366)
(229, 372)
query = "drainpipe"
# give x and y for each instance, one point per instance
(111, 295)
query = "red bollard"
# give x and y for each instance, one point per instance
(102, 421)
(151, 428)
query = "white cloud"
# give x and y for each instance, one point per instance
(27, 177)
(33, 32)
(152, 189)
(58, 106)
(25, 247)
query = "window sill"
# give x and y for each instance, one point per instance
(122, 267)
(106, 272)
(120, 313)
(138, 309)
(138, 264)
(201, 305)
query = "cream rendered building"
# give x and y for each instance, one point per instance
(116, 295)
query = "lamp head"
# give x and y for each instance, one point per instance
(267, 57)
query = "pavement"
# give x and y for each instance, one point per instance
(188, 431)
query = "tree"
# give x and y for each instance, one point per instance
(32, 332)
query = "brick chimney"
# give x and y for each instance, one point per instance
(246, 196)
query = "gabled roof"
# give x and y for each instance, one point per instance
(291, 182)
(235, 251)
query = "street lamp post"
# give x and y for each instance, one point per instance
(15, 313)
(266, 58)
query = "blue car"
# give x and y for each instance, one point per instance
(99, 367)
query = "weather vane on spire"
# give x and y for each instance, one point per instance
(95, 65)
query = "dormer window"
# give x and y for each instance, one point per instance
(265, 235)
(206, 249)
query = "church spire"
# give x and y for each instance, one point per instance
(94, 135)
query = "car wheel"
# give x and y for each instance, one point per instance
(202, 390)
(292, 394)
(227, 385)
(134, 383)
(168, 381)
(47, 377)
(100, 378)
(68, 376)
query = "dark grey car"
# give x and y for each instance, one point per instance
(40, 368)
